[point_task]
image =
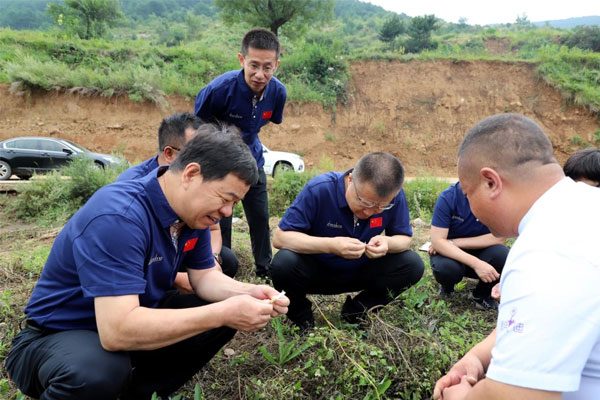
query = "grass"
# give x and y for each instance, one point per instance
(400, 355)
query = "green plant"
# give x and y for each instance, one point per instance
(285, 189)
(287, 350)
(329, 136)
(597, 136)
(576, 140)
(421, 195)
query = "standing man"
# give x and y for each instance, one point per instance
(331, 240)
(546, 345)
(101, 321)
(173, 133)
(249, 99)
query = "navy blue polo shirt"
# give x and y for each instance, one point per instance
(117, 244)
(321, 210)
(228, 98)
(140, 170)
(452, 211)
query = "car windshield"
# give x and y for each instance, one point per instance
(78, 147)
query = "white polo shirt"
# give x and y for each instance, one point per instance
(548, 329)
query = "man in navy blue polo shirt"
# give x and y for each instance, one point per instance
(249, 98)
(101, 322)
(462, 246)
(173, 133)
(331, 240)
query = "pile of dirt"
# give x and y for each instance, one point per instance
(417, 110)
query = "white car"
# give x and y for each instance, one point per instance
(276, 161)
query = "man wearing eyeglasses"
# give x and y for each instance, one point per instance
(173, 133)
(249, 98)
(332, 240)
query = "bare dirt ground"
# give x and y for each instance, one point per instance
(418, 110)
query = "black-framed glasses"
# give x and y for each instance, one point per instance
(369, 204)
(267, 70)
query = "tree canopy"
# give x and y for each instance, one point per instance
(392, 27)
(296, 15)
(86, 18)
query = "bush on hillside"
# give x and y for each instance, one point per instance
(585, 37)
(54, 199)
(421, 195)
(285, 189)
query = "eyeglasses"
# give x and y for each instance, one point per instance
(369, 204)
(254, 67)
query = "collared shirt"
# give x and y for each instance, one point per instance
(140, 170)
(117, 244)
(321, 210)
(228, 98)
(452, 211)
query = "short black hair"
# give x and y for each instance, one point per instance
(261, 39)
(220, 150)
(171, 131)
(584, 164)
(506, 141)
(382, 170)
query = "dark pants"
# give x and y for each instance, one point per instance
(73, 365)
(229, 263)
(379, 280)
(256, 208)
(449, 272)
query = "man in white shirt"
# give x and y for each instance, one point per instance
(546, 344)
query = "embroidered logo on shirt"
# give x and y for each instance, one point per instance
(334, 225)
(376, 222)
(267, 114)
(236, 116)
(458, 218)
(154, 259)
(190, 244)
(511, 324)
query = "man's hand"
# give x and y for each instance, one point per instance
(496, 292)
(458, 392)
(347, 247)
(182, 283)
(377, 247)
(247, 313)
(266, 293)
(485, 271)
(469, 367)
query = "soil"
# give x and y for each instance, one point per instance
(417, 110)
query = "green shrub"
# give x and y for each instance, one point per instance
(285, 189)
(56, 198)
(421, 195)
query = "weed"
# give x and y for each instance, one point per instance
(287, 350)
(576, 140)
(329, 136)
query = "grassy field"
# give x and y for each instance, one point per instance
(400, 355)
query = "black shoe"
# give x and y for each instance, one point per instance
(444, 291)
(354, 312)
(485, 303)
(262, 272)
(305, 326)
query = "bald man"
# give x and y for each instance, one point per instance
(546, 345)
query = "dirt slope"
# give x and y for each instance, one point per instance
(418, 110)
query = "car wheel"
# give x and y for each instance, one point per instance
(24, 177)
(98, 165)
(281, 166)
(5, 171)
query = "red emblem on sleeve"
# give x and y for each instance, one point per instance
(267, 114)
(190, 244)
(376, 222)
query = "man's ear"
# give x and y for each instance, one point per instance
(190, 172)
(493, 182)
(169, 154)
(241, 58)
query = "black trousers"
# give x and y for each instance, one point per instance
(229, 263)
(63, 365)
(379, 280)
(449, 272)
(256, 208)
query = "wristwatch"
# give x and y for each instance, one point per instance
(218, 258)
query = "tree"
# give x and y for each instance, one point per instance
(86, 18)
(392, 27)
(419, 30)
(274, 14)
